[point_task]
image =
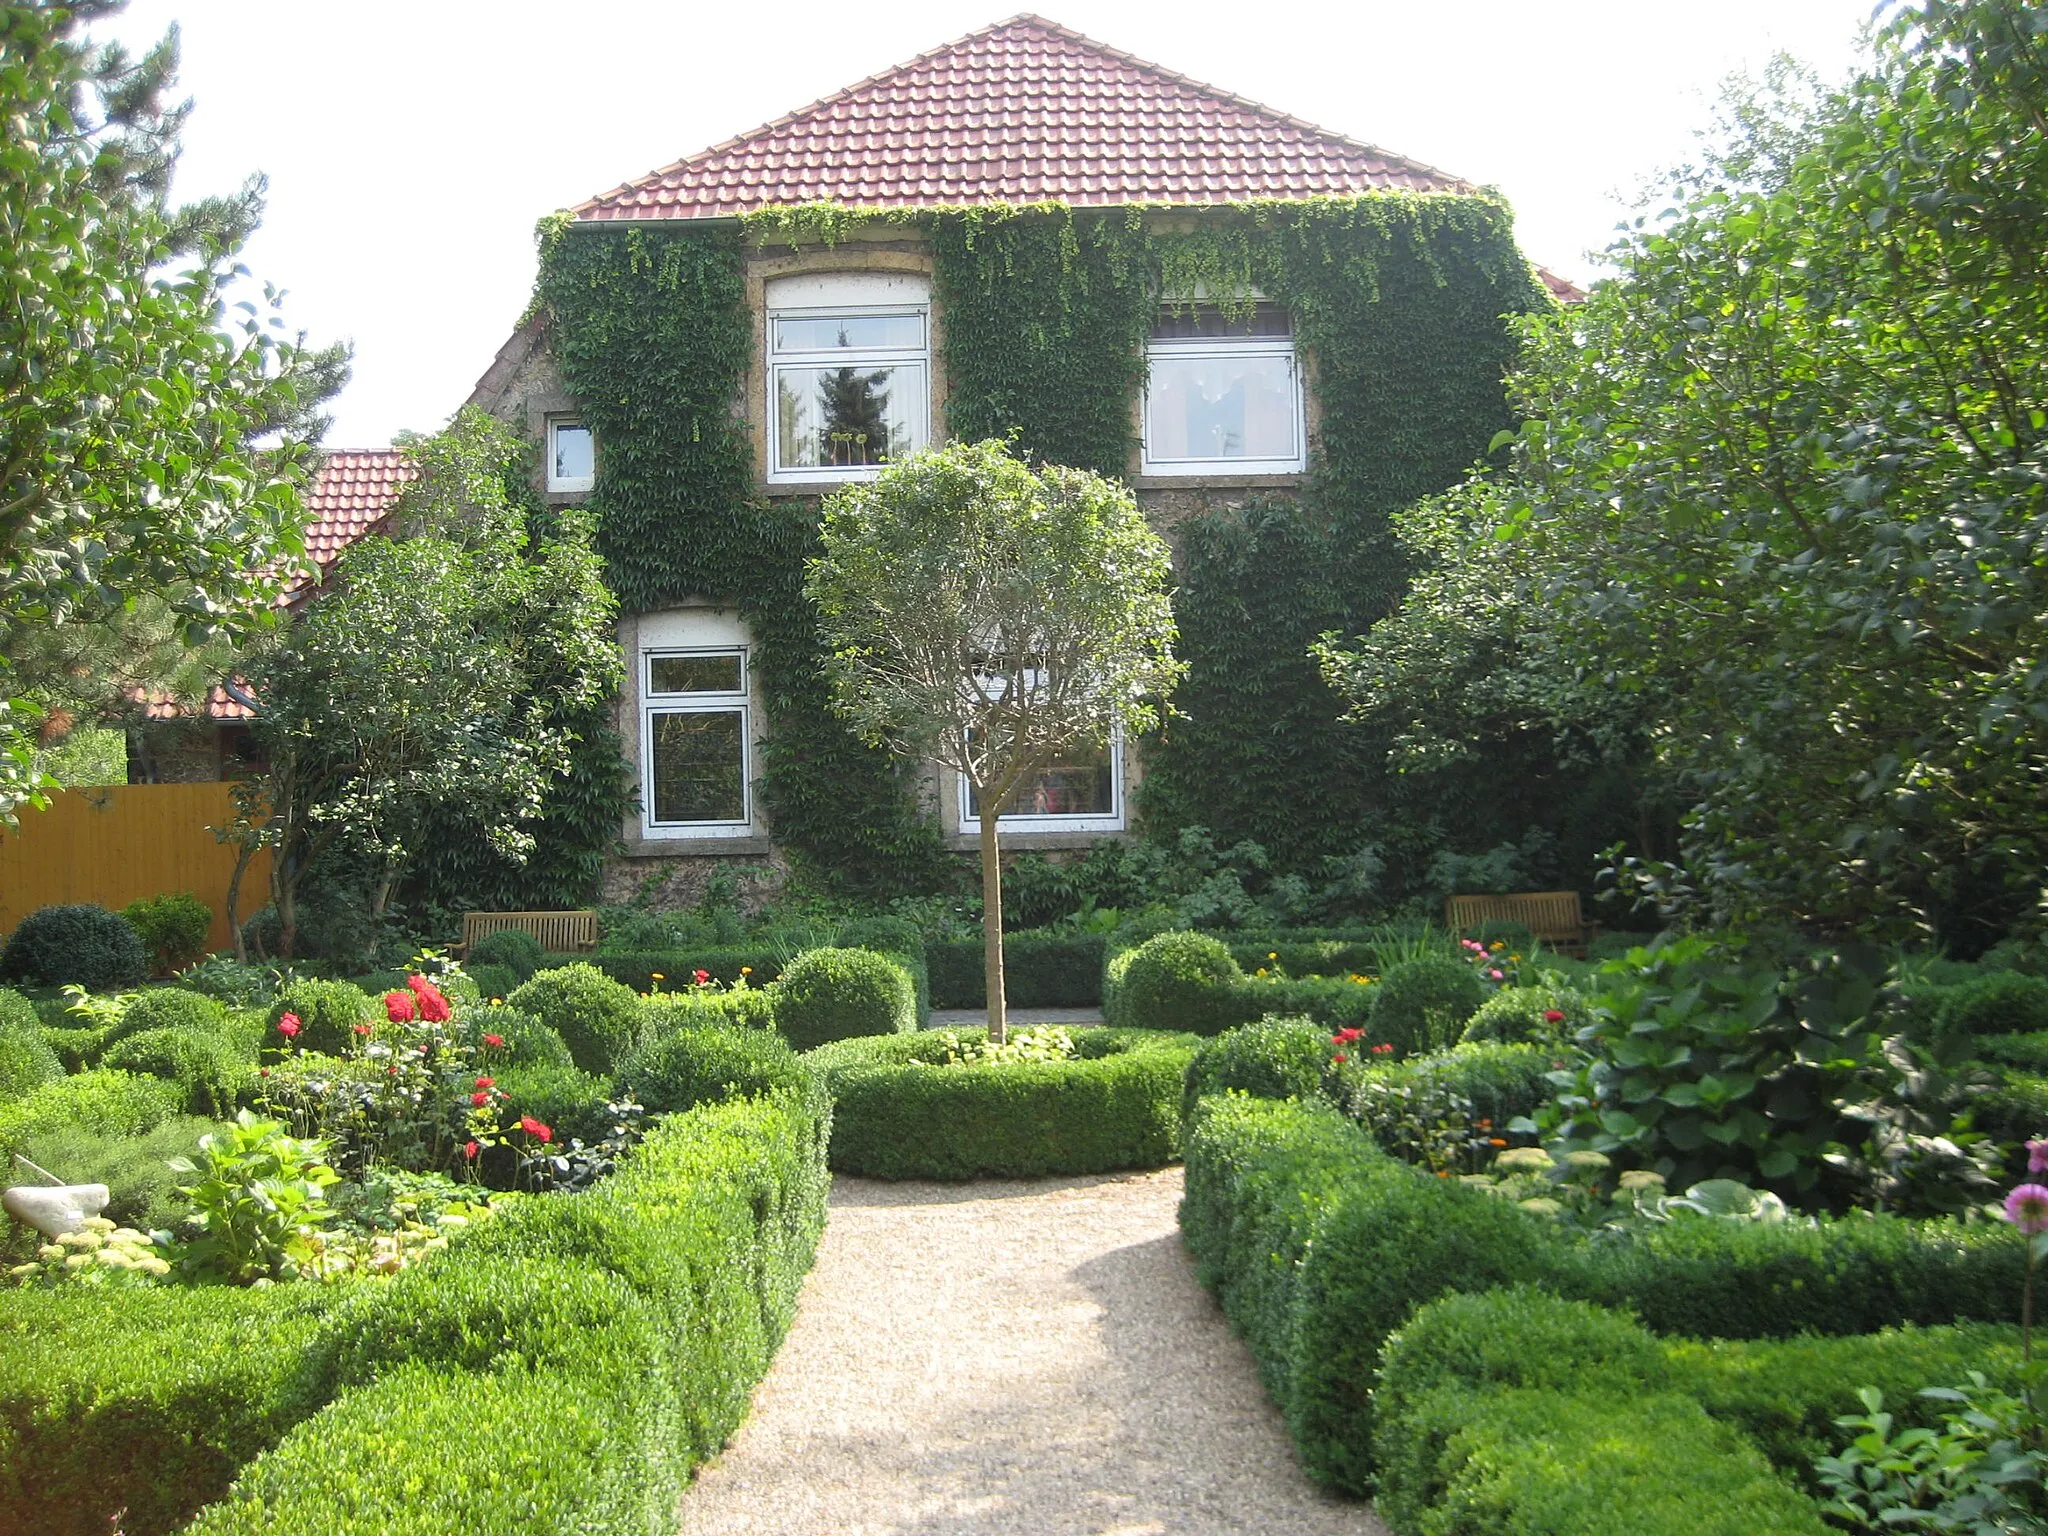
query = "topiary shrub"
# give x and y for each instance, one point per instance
(513, 948)
(104, 1103)
(527, 1041)
(594, 1015)
(168, 1008)
(838, 994)
(1272, 1059)
(1515, 1014)
(205, 1064)
(708, 1065)
(705, 1007)
(1424, 1004)
(173, 929)
(328, 1013)
(572, 1104)
(26, 1060)
(84, 945)
(494, 981)
(1995, 1003)
(1176, 980)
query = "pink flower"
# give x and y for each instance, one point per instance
(542, 1134)
(470, 1150)
(288, 1026)
(1496, 975)
(398, 1007)
(494, 1041)
(2037, 1156)
(2027, 1208)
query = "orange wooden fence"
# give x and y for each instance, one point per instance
(118, 844)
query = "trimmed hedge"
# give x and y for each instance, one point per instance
(511, 948)
(205, 1064)
(172, 1008)
(566, 1099)
(739, 1008)
(84, 943)
(1424, 1005)
(1502, 1080)
(26, 1060)
(105, 1103)
(708, 1065)
(1318, 1246)
(1273, 1059)
(1191, 981)
(528, 1042)
(838, 994)
(1040, 970)
(328, 1012)
(596, 1016)
(144, 1400)
(899, 1113)
(639, 968)
(1995, 1003)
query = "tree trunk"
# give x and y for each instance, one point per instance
(992, 925)
(286, 888)
(242, 861)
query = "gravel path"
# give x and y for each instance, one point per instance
(1029, 1356)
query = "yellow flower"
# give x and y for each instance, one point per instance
(657, 976)
(1272, 954)
(746, 970)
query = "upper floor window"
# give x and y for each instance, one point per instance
(572, 458)
(1224, 393)
(849, 373)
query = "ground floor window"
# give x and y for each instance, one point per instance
(1081, 792)
(696, 725)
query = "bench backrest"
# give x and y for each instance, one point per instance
(560, 933)
(1550, 915)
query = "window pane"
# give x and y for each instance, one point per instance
(1182, 322)
(833, 417)
(1221, 408)
(693, 674)
(832, 333)
(699, 765)
(573, 459)
(1081, 786)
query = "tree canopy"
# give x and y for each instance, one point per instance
(136, 504)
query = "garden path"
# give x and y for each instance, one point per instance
(973, 1018)
(1011, 1356)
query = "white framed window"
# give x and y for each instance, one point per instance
(572, 455)
(1082, 792)
(1223, 393)
(849, 373)
(696, 726)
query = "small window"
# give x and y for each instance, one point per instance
(1223, 394)
(572, 457)
(1082, 792)
(695, 742)
(848, 382)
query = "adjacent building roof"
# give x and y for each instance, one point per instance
(1020, 112)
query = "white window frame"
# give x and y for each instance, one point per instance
(842, 357)
(736, 701)
(1114, 821)
(1162, 348)
(570, 482)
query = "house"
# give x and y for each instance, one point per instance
(1023, 232)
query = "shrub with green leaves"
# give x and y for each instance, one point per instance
(1177, 981)
(1541, 1014)
(170, 1008)
(104, 1103)
(204, 1063)
(26, 1060)
(682, 1068)
(1424, 1004)
(839, 994)
(83, 944)
(142, 1191)
(173, 929)
(494, 981)
(1994, 1003)
(569, 1101)
(527, 1041)
(328, 1013)
(596, 1017)
(513, 948)
(900, 1112)
(1272, 1059)
(703, 1007)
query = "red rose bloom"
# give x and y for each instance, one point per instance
(398, 1007)
(470, 1149)
(700, 977)
(485, 1082)
(535, 1129)
(359, 1029)
(479, 1098)
(288, 1026)
(1553, 1016)
(494, 1041)
(1339, 1058)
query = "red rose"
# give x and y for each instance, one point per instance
(479, 1098)
(1339, 1058)
(263, 1071)
(288, 1026)
(470, 1149)
(485, 1082)
(398, 1007)
(535, 1129)
(433, 1006)
(1346, 1036)
(1553, 1016)
(700, 977)
(359, 1029)
(494, 1041)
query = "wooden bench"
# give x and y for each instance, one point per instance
(560, 933)
(1552, 916)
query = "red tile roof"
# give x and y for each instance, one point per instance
(1019, 112)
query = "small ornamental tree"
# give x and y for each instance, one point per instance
(990, 617)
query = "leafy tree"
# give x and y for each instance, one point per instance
(130, 490)
(1781, 491)
(421, 697)
(990, 617)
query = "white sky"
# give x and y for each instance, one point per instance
(411, 144)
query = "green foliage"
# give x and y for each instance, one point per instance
(259, 1199)
(671, 970)
(737, 1007)
(131, 395)
(104, 1103)
(142, 1191)
(594, 1015)
(690, 1066)
(173, 1008)
(528, 1042)
(172, 927)
(1445, 1111)
(1523, 1014)
(1272, 1059)
(140, 1410)
(81, 945)
(513, 948)
(572, 1103)
(835, 994)
(328, 1013)
(1979, 1470)
(26, 1060)
(900, 1112)
(205, 1064)
(1424, 1004)
(1173, 981)
(1995, 1003)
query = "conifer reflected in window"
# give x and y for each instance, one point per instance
(850, 389)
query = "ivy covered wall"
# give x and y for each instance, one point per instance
(1397, 302)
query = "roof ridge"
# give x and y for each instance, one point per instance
(1019, 20)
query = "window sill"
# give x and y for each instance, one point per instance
(794, 488)
(1219, 482)
(754, 845)
(969, 842)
